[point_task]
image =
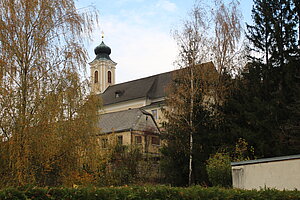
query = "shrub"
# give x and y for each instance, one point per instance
(121, 167)
(144, 193)
(219, 170)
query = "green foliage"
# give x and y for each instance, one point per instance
(274, 32)
(264, 106)
(146, 193)
(178, 129)
(242, 151)
(218, 165)
(122, 167)
(219, 169)
(12, 194)
(192, 114)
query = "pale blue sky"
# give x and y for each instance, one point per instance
(138, 32)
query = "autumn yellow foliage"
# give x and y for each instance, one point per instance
(47, 118)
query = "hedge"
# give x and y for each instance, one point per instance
(144, 193)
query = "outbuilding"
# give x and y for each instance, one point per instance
(282, 173)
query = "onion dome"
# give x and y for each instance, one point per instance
(102, 52)
(102, 49)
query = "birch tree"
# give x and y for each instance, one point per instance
(185, 95)
(46, 117)
(226, 46)
(198, 86)
(192, 43)
(228, 49)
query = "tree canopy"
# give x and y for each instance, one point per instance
(197, 91)
(46, 115)
(265, 105)
(260, 104)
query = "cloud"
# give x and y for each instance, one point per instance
(166, 5)
(138, 50)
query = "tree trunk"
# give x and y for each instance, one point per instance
(191, 125)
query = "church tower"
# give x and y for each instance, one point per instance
(102, 69)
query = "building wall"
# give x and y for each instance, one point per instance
(153, 148)
(284, 174)
(129, 138)
(136, 103)
(146, 145)
(102, 66)
(112, 139)
(160, 117)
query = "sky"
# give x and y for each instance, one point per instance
(139, 33)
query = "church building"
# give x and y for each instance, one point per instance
(131, 111)
(140, 99)
(146, 93)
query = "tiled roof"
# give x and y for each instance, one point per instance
(152, 87)
(133, 119)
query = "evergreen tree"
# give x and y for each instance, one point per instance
(274, 33)
(264, 108)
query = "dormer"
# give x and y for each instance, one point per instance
(119, 93)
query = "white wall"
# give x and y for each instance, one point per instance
(135, 103)
(282, 174)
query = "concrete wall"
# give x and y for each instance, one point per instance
(279, 174)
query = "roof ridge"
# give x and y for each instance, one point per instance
(142, 78)
(150, 87)
(210, 62)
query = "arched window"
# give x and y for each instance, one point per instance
(109, 76)
(96, 76)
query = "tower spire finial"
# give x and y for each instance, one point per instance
(102, 33)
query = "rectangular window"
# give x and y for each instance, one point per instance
(104, 143)
(154, 113)
(120, 140)
(138, 139)
(155, 140)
